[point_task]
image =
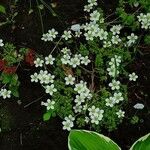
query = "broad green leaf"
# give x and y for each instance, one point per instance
(89, 140)
(2, 9)
(142, 144)
(47, 116)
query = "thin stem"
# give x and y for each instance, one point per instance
(41, 19)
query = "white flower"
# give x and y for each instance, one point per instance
(144, 19)
(110, 101)
(112, 71)
(50, 89)
(76, 27)
(85, 60)
(94, 16)
(77, 108)
(136, 4)
(68, 123)
(1, 43)
(93, 110)
(101, 20)
(87, 119)
(89, 36)
(5, 93)
(92, 2)
(95, 119)
(118, 97)
(141, 17)
(66, 50)
(34, 77)
(65, 59)
(115, 39)
(78, 56)
(49, 104)
(69, 79)
(78, 33)
(88, 8)
(38, 62)
(133, 77)
(117, 60)
(107, 44)
(74, 62)
(44, 77)
(116, 29)
(85, 107)
(67, 35)
(138, 106)
(70, 117)
(95, 114)
(115, 85)
(80, 87)
(132, 38)
(120, 114)
(49, 60)
(102, 34)
(79, 99)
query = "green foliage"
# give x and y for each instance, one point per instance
(89, 140)
(2, 9)
(142, 144)
(147, 39)
(135, 119)
(47, 116)
(12, 58)
(6, 120)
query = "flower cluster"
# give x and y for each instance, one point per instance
(113, 69)
(50, 36)
(5, 93)
(115, 99)
(74, 61)
(45, 78)
(90, 5)
(84, 106)
(95, 114)
(144, 19)
(49, 60)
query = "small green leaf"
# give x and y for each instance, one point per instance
(14, 79)
(47, 116)
(2, 9)
(89, 140)
(14, 90)
(142, 144)
(6, 78)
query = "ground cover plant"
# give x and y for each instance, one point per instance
(86, 73)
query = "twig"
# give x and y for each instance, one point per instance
(33, 102)
(56, 45)
(21, 139)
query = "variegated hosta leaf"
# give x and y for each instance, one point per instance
(142, 144)
(89, 140)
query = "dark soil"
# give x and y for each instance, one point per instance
(27, 130)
